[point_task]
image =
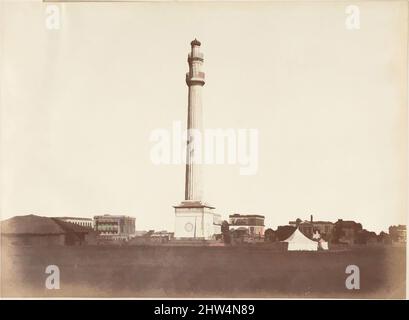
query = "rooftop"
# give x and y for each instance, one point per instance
(108, 216)
(36, 225)
(239, 215)
(74, 218)
(314, 222)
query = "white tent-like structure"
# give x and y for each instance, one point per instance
(298, 242)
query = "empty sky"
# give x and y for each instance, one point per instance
(78, 105)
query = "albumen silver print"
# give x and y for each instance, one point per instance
(203, 149)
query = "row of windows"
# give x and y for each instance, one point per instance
(83, 224)
(107, 227)
(247, 221)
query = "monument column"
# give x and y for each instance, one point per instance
(195, 219)
(195, 81)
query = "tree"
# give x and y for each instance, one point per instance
(269, 235)
(364, 236)
(226, 232)
(283, 232)
(384, 237)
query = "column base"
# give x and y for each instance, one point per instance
(195, 220)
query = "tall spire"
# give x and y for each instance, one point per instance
(194, 219)
(195, 79)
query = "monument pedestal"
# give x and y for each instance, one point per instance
(195, 220)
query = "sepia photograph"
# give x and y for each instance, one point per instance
(203, 150)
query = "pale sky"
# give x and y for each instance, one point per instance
(78, 105)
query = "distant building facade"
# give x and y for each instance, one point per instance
(398, 233)
(217, 224)
(32, 230)
(151, 237)
(115, 227)
(83, 222)
(251, 224)
(309, 228)
(163, 235)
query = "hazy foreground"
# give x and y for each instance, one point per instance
(132, 271)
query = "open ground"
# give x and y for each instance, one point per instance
(230, 272)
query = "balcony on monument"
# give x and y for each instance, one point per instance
(199, 76)
(197, 55)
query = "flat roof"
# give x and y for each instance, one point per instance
(73, 218)
(239, 215)
(306, 221)
(112, 216)
(37, 225)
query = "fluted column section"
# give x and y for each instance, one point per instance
(195, 82)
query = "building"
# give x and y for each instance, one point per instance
(140, 233)
(325, 228)
(163, 235)
(194, 218)
(115, 227)
(217, 224)
(309, 227)
(249, 224)
(398, 233)
(83, 222)
(152, 238)
(32, 230)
